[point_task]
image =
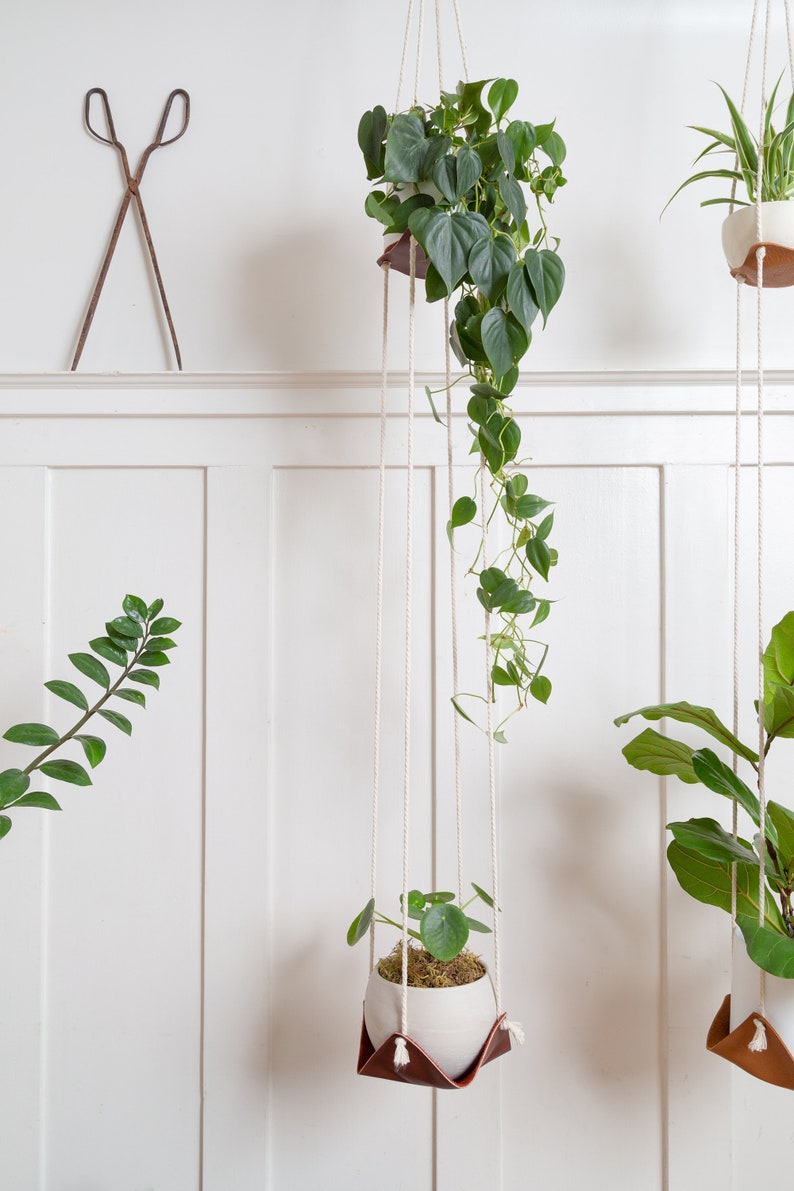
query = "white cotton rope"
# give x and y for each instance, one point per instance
(400, 1054)
(453, 589)
(759, 256)
(379, 611)
(788, 39)
(461, 41)
(751, 39)
(419, 35)
(497, 974)
(453, 599)
(438, 47)
(404, 57)
(737, 487)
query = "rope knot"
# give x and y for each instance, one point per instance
(401, 1058)
(758, 1042)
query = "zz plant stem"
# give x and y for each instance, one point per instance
(135, 641)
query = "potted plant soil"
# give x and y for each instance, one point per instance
(451, 1005)
(451, 175)
(740, 238)
(704, 856)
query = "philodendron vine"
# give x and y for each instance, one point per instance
(136, 641)
(702, 854)
(452, 175)
(443, 927)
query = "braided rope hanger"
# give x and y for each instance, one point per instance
(401, 1056)
(758, 1043)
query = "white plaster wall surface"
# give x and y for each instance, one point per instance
(223, 1075)
(257, 214)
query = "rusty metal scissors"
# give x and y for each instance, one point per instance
(132, 191)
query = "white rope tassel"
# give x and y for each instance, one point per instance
(400, 1053)
(758, 1042)
(516, 1031)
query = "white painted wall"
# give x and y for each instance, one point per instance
(257, 214)
(180, 928)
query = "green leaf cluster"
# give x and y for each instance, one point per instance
(443, 928)
(704, 857)
(134, 641)
(776, 146)
(454, 175)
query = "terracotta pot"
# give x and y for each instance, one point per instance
(449, 1024)
(779, 1000)
(740, 241)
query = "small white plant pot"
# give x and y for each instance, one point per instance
(745, 994)
(740, 241)
(450, 1024)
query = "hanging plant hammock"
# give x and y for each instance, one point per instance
(748, 879)
(751, 1041)
(431, 203)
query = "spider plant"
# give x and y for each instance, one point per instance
(777, 151)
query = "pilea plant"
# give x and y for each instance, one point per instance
(452, 175)
(135, 642)
(702, 853)
(443, 927)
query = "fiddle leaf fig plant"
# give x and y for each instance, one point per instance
(452, 175)
(443, 927)
(702, 854)
(137, 644)
(742, 145)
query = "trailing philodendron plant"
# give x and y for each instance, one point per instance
(135, 642)
(702, 854)
(777, 167)
(443, 928)
(452, 175)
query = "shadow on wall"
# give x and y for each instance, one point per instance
(314, 1039)
(291, 295)
(604, 986)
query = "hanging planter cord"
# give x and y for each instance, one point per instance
(427, 1073)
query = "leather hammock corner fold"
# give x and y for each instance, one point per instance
(421, 1069)
(778, 267)
(399, 257)
(774, 1065)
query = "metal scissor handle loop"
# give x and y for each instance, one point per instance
(113, 140)
(158, 141)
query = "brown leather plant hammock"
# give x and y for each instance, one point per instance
(420, 1068)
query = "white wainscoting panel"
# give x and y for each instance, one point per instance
(181, 1010)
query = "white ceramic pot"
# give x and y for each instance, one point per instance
(739, 230)
(745, 991)
(450, 1024)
